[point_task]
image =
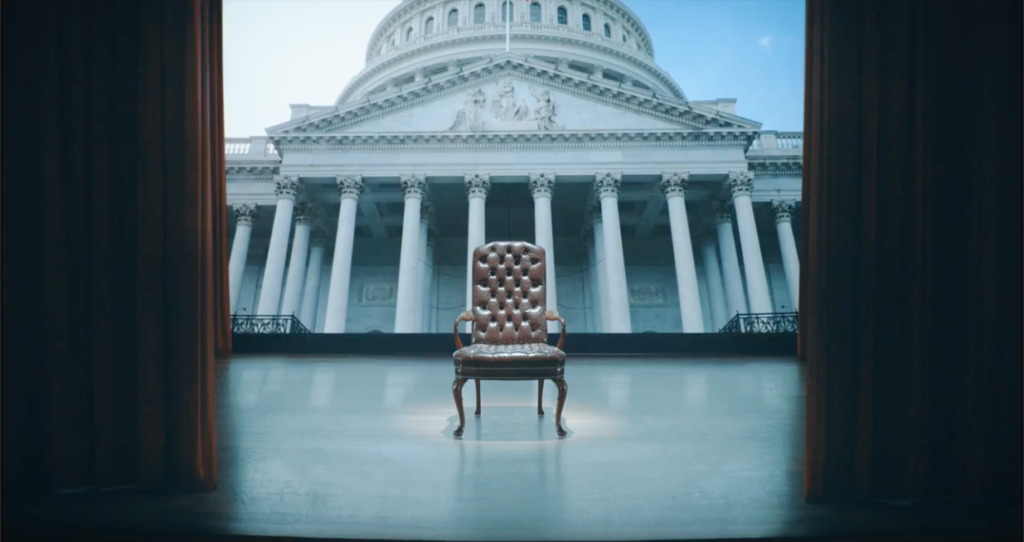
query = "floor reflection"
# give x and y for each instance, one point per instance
(363, 448)
(321, 387)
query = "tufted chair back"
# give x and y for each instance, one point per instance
(508, 293)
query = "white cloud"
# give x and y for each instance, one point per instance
(765, 42)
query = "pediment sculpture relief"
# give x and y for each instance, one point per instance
(506, 113)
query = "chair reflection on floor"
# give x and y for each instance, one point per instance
(509, 326)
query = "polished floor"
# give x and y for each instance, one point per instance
(657, 448)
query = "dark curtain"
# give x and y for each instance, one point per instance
(114, 243)
(911, 279)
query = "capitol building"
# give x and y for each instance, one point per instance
(660, 212)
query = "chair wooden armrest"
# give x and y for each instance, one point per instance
(550, 315)
(466, 316)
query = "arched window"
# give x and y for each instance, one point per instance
(429, 27)
(505, 11)
(625, 37)
(607, 30)
(586, 22)
(563, 16)
(408, 35)
(479, 14)
(453, 18)
(535, 12)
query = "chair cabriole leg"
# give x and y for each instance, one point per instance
(540, 397)
(457, 393)
(563, 390)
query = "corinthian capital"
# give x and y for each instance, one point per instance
(414, 186)
(740, 183)
(607, 184)
(477, 185)
(287, 187)
(721, 212)
(305, 213)
(542, 185)
(246, 214)
(675, 183)
(318, 236)
(350, 186)
(783, 211)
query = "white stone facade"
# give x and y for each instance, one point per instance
(445, 141)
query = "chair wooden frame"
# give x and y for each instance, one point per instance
(559, 382)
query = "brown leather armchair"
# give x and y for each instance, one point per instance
(509, 326)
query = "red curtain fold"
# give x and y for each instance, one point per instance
(114, 233)
(911, 280)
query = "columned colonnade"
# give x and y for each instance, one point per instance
(725, 283)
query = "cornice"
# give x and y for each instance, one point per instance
(762, 166)
(243, 172)
(468, 36)
(682, 113)
(515, 140)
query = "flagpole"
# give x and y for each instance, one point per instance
(508, 25)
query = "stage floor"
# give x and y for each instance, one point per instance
(657, 448)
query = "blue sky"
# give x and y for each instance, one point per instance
(280, 52)
(751, 50)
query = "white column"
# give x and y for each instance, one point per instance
(593, 290)
(674, 187)
(716, 293)
(542, 187)
(423, 273)
(245, 215)
(740, 184)
(736, 300)
(430, 301)
(311, 288)
(601, 287)
(477, 186)
(607, 185)
(408, 308)
(350, 187)
(287, 189)
(790, 259)
(297, 263)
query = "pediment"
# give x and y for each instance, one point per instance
(510, 104)
(509, 96)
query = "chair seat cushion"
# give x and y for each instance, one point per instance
(509, 361)
(527, 354)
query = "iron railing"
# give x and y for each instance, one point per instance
(769, 322)
(249, 324)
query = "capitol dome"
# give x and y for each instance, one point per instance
(600, 39)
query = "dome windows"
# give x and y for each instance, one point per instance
(408, 35)
(586, 22)
(505, 9)
(428, 28)
(607, 30)
(563, 16)
(453, 18)
(479, 14)
(535, 12)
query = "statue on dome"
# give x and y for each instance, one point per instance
(506, 107)
(468, 117)
(545, 112)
